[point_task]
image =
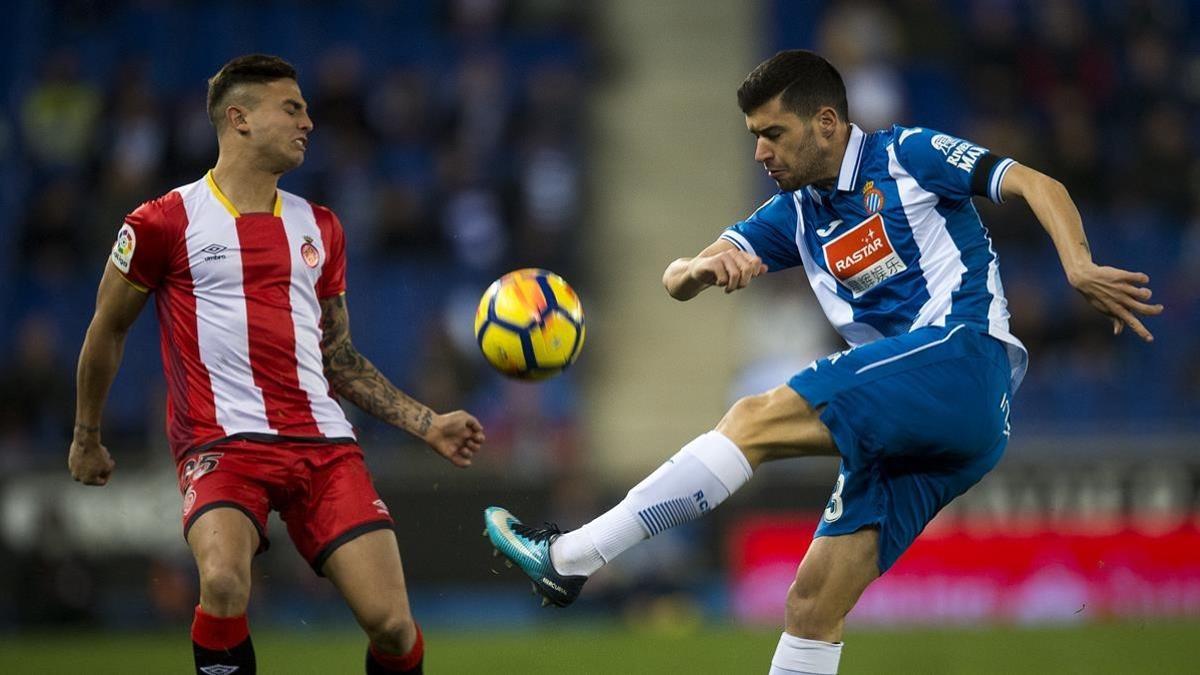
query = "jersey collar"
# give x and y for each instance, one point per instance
(852, 160)
(212, 185)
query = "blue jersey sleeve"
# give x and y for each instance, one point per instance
(948, 166)
(769, 233)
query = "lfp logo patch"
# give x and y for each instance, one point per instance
(872, 198)
(863, 257)
(122, 252)
(309, 253)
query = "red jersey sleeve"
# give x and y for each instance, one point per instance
(333, 272)
(146, 240)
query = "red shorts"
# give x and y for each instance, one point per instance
(322, 491)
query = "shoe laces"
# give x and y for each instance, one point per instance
(537, 534)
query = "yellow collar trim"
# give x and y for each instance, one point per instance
(212, 185)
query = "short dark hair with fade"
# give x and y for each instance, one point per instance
(805, 79)
(248, 69)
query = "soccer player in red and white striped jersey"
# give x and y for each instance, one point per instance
(249, 283)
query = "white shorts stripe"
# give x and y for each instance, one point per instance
(892, 359)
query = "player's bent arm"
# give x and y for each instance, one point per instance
(118, 304)
(1117, 293)
(1055, 210)
(456, 435)
(721, 264)
(351, 375)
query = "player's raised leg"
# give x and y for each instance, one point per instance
(834, 573)
(694, 481)
(223, 541)
(368, 573)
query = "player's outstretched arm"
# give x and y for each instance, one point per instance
(1119, 294)
(721, 264)
(456, 436)
(118, 304)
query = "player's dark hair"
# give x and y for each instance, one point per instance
(248, 69)
(805, 79)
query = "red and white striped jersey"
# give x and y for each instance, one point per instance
(238, 296)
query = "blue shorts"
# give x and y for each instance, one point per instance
(918, 419)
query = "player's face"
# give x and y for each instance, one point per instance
(279, 125)
(791, 149)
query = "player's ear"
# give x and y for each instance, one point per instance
(235, 116)
(826, 121)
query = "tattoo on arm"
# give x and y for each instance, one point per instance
(351, 375)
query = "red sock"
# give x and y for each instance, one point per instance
(220, 633)
(401, 663)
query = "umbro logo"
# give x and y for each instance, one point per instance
(218, 669)
(214, 252)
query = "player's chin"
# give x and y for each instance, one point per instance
(291, 160)
(788, 184)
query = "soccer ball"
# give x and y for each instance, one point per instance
(529, 324)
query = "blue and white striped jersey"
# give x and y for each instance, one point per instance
(896, 244)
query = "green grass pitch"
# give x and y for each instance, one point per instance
(1171, 647)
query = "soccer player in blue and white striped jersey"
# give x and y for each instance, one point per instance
(917, 408)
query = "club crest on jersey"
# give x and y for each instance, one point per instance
(309, 253)
(872, 198)
(122, 252)
(863, 257)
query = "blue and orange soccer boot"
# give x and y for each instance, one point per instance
(528, 548)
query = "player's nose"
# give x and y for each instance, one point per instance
(762, 151)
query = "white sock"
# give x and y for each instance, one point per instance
(690, 484)
(798, 656)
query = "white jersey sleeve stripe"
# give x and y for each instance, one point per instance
(738, 241)
(998, 172)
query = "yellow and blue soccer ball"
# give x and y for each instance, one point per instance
(529, 324)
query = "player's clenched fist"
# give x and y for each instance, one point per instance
(90, 462)
(731, 269)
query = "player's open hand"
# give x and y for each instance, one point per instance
(90, 462)
(1118, 294)
(457, 436)
(731, 269)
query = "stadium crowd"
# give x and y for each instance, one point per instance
(1099, 95)
(448, 140)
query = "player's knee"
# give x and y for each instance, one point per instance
(390, 629)
(224, 590)
(808, 617)
(739, 424)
